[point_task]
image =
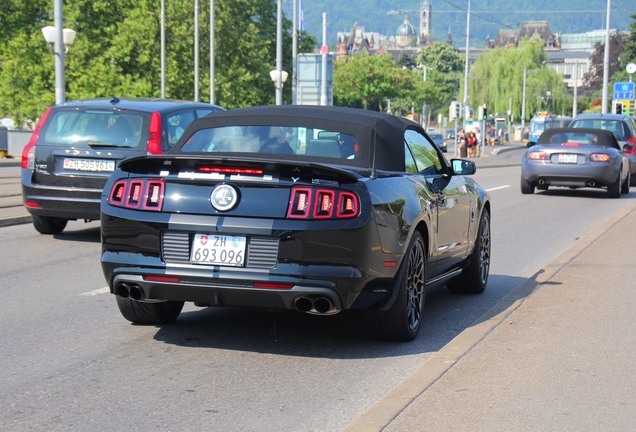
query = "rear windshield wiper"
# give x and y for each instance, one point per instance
(101, 144)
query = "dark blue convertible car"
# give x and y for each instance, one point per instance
(317, 209)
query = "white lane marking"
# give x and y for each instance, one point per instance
(99, 291)
(497, 188)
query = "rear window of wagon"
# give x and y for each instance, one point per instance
(80, 128)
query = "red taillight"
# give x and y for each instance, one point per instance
(348, 205)
(138, 194)
(326, 204)
(631, 141)
(133, 199)
(154, 134)
(154, 195)
(299, 203)
(323, 207)
(571, 144)
(28, 153)
(600, 157)
(118, 192)
(537, 155)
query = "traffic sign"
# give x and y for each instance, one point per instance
(624, 90)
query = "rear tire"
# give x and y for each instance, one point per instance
(626, 184)
(527, 188)
(614, 190)
(48, 225)
(402, 321)
(474, 277)
(149, 313)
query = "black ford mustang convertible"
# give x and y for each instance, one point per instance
(318, 209)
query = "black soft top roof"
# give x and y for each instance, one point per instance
(605, 138)
(381, 135)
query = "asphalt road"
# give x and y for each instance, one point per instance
(71, 362)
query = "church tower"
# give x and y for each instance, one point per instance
(425, 22)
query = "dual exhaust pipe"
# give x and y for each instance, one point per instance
(318, 305)
(131, 291)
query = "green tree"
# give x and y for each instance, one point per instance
(629, 52)
(444, 69)
(364, 80)
(496, 79)
(117, 52)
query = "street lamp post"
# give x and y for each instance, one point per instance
(279, 54)
(523, 100)
(467, 61)
(59, 40)
(279, 77)
(606, 59)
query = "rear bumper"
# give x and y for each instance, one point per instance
(588, 175)
(61, 202)
(229, 294)
(65, 207)
(347, 266)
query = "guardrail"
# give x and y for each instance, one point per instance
(13, 141)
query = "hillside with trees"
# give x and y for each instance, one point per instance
(487, 16)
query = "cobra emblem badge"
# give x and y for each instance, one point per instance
(224, 197)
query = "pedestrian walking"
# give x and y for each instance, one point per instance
(471, 143)
(462, 148)
(492, 136)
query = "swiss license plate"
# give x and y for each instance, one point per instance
(95, 165)
(215, 249)
(566, 158)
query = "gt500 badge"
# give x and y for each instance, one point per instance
(224, 197)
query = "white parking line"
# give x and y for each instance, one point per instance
(497, 188)
(99, 291)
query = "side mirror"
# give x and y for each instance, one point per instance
(628, 147)
(463, 167)
(531, 143)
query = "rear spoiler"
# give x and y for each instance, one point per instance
(315, 172)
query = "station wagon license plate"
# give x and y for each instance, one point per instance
(94, 165)
(566, 158)
(215, 249)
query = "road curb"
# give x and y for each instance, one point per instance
(384, 411)
(15, 220)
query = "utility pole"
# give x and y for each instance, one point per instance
(196, 50)
(60, 90)
(212, 95)
(294, 50)
(466, 64)
(606, 59)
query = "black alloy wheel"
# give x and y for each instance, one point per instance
(474, 277)
(402, 321)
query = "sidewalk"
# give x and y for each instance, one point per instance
(558, 354)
